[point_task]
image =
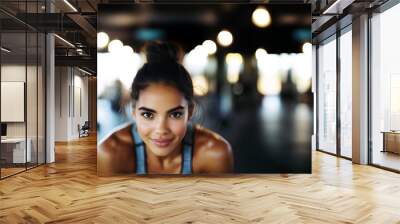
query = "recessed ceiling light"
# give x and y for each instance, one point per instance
(70, 5)
(5, 50)
(64, 40)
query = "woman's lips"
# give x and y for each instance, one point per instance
(162, 142)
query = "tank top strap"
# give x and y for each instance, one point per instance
(139, 151)
(188, 143)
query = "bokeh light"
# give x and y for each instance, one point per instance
(234, 62)
(261, 17)
(210, 46)
(225, 38)
(115, 45)
(102, 40)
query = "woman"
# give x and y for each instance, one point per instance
(162, 140)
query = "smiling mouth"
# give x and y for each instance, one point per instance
(162, 142)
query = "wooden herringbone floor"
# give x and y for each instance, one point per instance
(70, 192)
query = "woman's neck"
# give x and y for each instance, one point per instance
(168, 161)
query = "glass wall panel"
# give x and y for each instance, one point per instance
(32, 86)
(327, 96)
(346, 94)
(13, 94)
(385, 88)
(31, 99)
(41, 89)
(22, 87)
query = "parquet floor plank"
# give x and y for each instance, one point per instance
(69, 191)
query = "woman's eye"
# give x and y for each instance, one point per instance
(147, 115)
(176, 115)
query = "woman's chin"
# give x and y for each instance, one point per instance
(162, 151)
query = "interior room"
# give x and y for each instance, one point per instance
(22, 99)
(49, 132)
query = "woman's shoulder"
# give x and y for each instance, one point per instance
(210, 140)
(115, 153)
(212, 152)
(120, 136)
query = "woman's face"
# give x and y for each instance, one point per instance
(161, 115)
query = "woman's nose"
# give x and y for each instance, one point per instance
(162, 126)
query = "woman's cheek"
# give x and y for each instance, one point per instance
(144, 127)
(178, 127)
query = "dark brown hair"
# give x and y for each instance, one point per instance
(163, 67)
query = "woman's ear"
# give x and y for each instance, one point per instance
(133, 113)
(192, 109)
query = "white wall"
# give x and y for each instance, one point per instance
(71, 94)
(61, 103)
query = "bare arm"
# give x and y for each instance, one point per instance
(115, 155)
(220, 158)
(213, 154)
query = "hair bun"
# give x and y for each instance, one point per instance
(161, 52)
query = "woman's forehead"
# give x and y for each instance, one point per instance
(160, 96)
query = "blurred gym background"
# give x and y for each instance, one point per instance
(250, 65)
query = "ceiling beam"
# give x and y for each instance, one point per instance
(84, 24)
(81, 61)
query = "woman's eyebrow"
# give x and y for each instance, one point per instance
(169, 111)
(176, 108)
(147, 109)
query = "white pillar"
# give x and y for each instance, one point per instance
(360, 90)
(50, 93)
(314, 93)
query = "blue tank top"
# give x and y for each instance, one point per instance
(188, 140)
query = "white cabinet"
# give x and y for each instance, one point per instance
(17, 147)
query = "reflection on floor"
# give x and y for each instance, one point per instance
(387, 159)
(274, 137)
(10, 171)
